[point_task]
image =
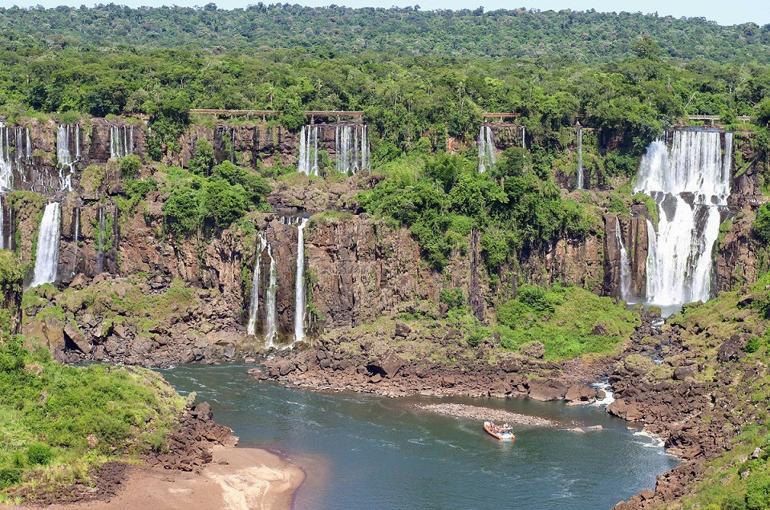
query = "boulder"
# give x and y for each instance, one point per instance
(580, 393)
(625, 410)
(388, 366)
(402, 330)
(73, 335)
(683, 373)
(546, 390)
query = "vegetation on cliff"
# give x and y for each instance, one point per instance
(517, 204)
(58, 422)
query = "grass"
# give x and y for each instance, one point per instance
(568, 321)
(57, 422)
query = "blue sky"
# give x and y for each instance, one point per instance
(723, 12)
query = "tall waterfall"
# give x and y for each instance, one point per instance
(299, 289)
(47, 257)
(271, 313)
(6, 161)
(580, 184)
(121, 141)
(487, 151)
(308, 150)
(64, 159)
(351, 146)
(523, 137)
(625, 265)
(690, 182)
(251, 326)
(2, 223)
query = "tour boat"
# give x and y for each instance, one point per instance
(501, 433)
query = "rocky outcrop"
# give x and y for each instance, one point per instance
(570, 262)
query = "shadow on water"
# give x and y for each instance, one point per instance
(363, 451)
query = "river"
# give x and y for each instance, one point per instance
(363, 451)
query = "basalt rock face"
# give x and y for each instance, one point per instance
(363, 269)
(570, 262)
(737, 260)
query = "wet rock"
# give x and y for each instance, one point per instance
(625, 410)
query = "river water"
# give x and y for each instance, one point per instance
(362, 451)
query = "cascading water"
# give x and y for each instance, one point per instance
(580, 184)
(308, 150)
(121, 141)
(351, 147)
(523, 137)
(271, 312)
(625, 265)
(100, 240)
(251, 326)
(6, 162)
(690, 182)
(299, 289)
(487, 151)
(2, 223)
(64, 159)
(47, 257)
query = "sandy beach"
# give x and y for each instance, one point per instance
(236, 479)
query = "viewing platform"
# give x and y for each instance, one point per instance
(336, 115)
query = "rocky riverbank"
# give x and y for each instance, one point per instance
(658, 383)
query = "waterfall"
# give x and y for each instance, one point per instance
(271, 314)
(487, 151)
(64, 159)
(299, 289)
(100, 241)
(2, 224)
(6, 163)
(251, 327)
(690, 182)
(351, 148)
(625, 264)
(523, 137)
(580, 177)
(308, 150)
(121, 141)
(47, 257)
(76, 213)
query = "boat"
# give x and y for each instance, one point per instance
(501, 433)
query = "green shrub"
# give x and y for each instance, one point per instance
(753, 345)
(129, 166)
(761, 225)
(39, 454)
(203, 157)
(9, 477)
(181, 211)
(758, 492)
(454, 298)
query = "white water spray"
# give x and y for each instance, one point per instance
(625, 265)
(299, 288)
(47, 258)
(487, 150)
(121, 141)
(580, 173)
(308, 150)
(690, 183)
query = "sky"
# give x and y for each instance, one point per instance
(723, 12)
